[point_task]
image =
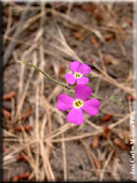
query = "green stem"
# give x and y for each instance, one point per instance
(45, 74)
(55, 81)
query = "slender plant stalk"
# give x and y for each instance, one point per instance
(45, 74)
(54, 80)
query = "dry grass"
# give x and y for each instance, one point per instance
(39, 143)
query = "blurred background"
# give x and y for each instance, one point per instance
(38, 143)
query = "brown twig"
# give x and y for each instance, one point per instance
(16, 35)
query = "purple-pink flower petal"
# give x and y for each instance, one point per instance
(82, 92)
(75, 116)
(70, 78)
(83, 80)
(84, 69)
(64, 102)
(91, 106)
(74, 66)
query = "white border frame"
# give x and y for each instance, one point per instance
(135, 81)
(67, 1)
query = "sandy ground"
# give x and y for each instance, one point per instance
(39, 144)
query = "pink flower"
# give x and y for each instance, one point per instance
(78, 105)
(79, 70)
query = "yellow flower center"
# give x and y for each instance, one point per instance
(78, 75)
(78, 103)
